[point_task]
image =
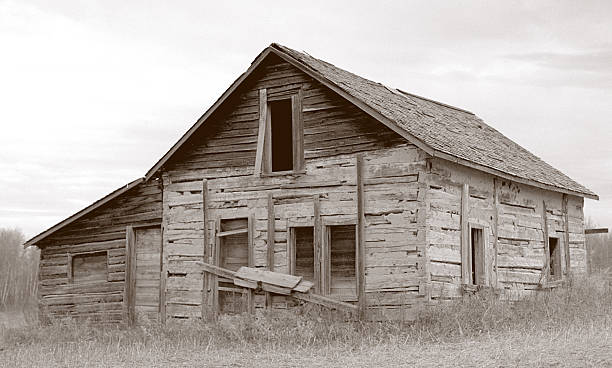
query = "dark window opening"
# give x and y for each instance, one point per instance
(342, 261)
(281, 135)
(304, 252)
(90, 267)
(477, 257)
(555, 257)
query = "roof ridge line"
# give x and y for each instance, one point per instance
(436, 102)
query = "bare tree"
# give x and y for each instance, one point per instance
(18, 270)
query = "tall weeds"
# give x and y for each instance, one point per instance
(585, 302)
(18, 270)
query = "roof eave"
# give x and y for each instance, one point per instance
(97, 204)
(160, 163)
(511, 177)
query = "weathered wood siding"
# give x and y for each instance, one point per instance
(334, 131)
(101, 230)
(516, 217)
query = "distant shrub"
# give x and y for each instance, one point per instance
(18, 271)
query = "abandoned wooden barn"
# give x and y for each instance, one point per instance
(377, 199)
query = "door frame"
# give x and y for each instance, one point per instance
(129, 290)
(216, 253)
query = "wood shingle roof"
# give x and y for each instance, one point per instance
(449, 132)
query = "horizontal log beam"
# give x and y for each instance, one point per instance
(596, 231)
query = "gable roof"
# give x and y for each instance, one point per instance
(439, 129)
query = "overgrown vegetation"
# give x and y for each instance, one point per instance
(583, 301)
(578, 315)
(18, 271)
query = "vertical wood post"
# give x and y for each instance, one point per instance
(69, 271)
(466, 274)
(587, 250)
(298, 131)
(162, 280)
(271, 242)
(317, 243)
(251, 262)
(566, 245)
(205, 253)
(214, 278)
(360, 239)
(261, 133)
(546, 269)
(495, 228)
(130, 274)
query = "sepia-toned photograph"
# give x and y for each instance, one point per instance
(316, 184)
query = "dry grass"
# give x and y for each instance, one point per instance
(568, 327)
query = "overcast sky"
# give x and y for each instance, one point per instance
(93, 93)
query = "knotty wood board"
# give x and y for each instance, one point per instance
(148, 273)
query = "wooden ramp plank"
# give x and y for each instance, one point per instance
(273, 278)
(304, 286)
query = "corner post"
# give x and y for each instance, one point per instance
(361, 239)
(130, 275)
(465, 236)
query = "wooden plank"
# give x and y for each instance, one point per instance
(205, 276)
(360, 237)
(271, 232)
(269, 277)
(218, 271)
(479, 257)
(298, 131)
(130, 275)
(275, 289)
(495, 227)
(318, 237)
(596, 231)
(304, 286)
(251, 250)
(291, 255)
(465, 236)
(69, 271)
(232, 232)
(326, 302)
(246, 283)
(261, 132)
(271, 242)
(565, 234)
(546, 271)
(216, 261)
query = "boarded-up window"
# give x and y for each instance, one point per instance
(233, 253)
(89, 267)
(555, 257)
(341, 262)
(302, 248)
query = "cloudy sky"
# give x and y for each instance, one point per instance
(93, 93)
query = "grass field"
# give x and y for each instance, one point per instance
(564, 328)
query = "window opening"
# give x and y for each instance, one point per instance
(281, 125)
(555, 257)
(477, 257)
